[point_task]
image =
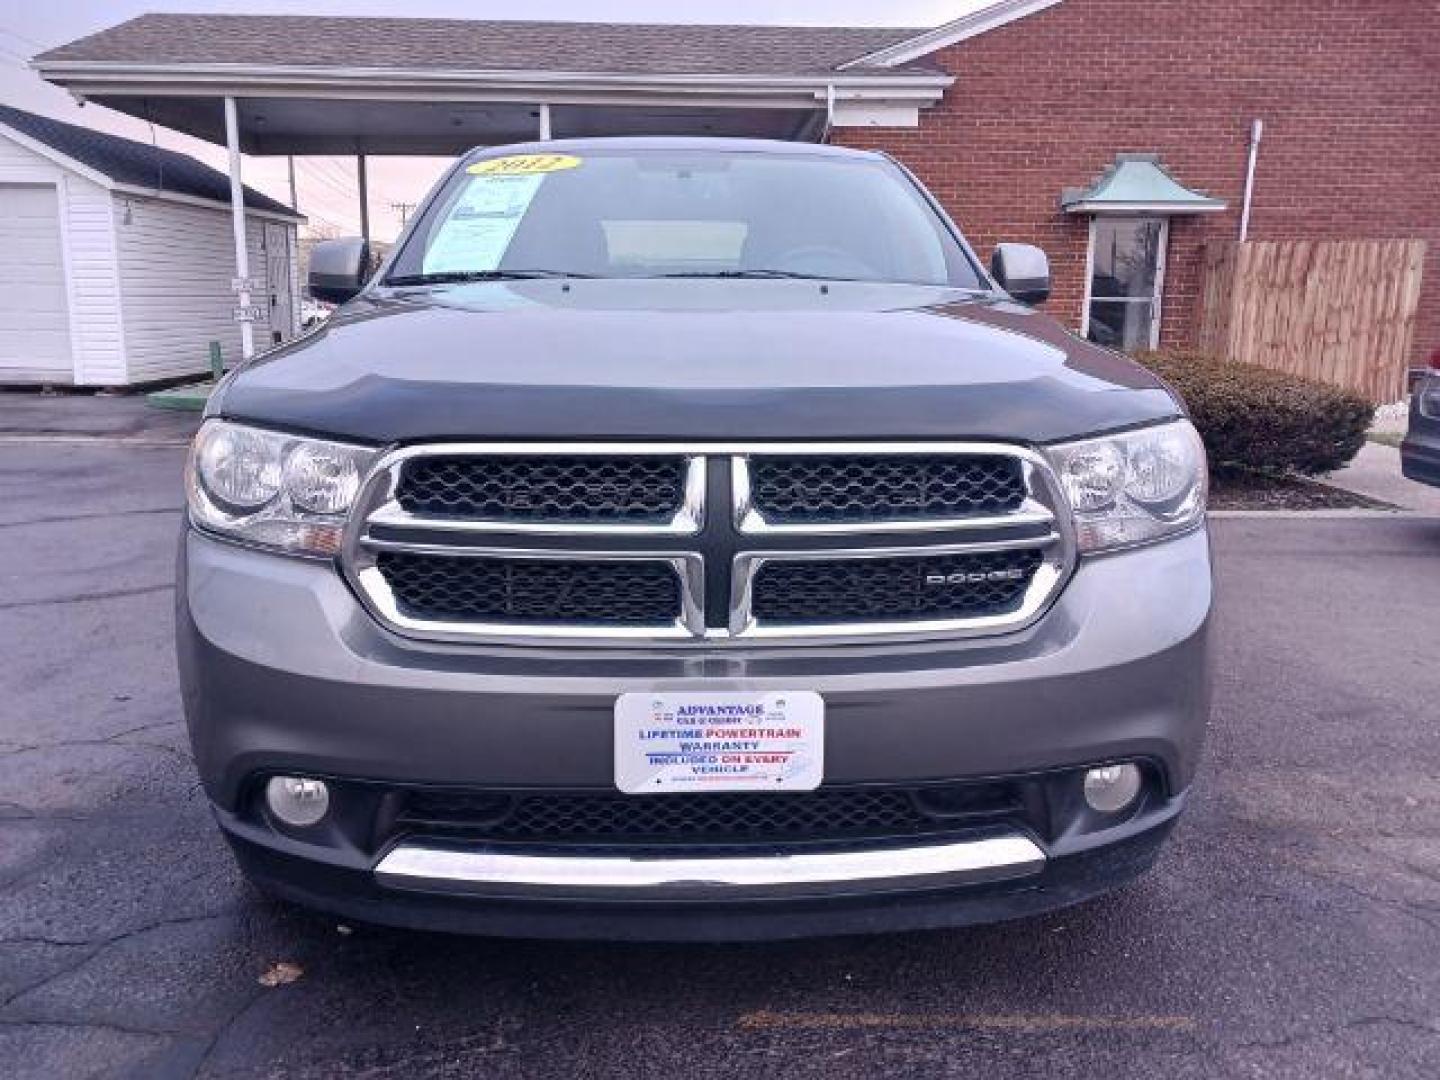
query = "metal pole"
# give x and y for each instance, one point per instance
(237, 225)
(294, 199)
(364, 197)
(1257, 130)
(544, 122)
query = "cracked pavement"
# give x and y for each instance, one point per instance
(1291, 929)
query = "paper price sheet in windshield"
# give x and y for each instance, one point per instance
(481, 224)
(476, 233)
(743, 741)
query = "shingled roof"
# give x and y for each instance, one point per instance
(137, 164)
(468, 45)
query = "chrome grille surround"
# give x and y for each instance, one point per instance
(715, 545)
(607, 592)
(935, 585)
(546, 488)
(375, 589)
(688, 520)
(833, 481)
(1041, 590)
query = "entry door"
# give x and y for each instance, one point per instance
(34, 307)
(277, 282)
(1126, 280)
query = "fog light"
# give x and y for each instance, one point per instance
(1111, 788)
(297, 801)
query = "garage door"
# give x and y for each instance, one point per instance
(34, 321)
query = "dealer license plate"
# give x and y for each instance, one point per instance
(669, 742)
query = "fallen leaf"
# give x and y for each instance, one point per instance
(281, 973)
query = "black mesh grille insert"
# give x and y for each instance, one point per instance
(893, 589)
(560, 591)
(827, 813)
(865, 487)
(578, 488)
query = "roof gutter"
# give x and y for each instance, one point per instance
(136, 191)
(112, 76)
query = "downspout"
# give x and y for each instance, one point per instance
(1257, 131)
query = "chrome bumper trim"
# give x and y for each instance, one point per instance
(424, 867)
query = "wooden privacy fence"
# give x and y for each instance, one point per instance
(1342, 311)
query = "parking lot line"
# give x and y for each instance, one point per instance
(1043, 1022)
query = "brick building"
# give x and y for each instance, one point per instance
(1138, 114)
(1348, 92)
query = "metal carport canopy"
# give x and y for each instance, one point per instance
(323, 85)
(278, 85)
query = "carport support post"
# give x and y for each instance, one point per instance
(544, 122)
(364, 197)
(237, 224)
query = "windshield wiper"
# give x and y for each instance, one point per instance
(795, 274)
(454, 277)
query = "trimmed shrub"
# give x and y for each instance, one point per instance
(1257, 419)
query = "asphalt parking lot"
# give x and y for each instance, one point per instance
(1292, 928)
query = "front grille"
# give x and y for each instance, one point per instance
(824, 814)
(706, 543)
(832, 488)
(894, 589)
(638, 489)
(450, 588)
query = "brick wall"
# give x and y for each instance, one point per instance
(1349, 91)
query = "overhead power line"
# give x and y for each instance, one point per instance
(26, 38)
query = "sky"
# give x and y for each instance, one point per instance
(326, 185)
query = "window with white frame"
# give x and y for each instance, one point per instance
(1124, 280)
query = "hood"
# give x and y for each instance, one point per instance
(691, 359)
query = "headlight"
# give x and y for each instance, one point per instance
(1137, 486)
(272, 489)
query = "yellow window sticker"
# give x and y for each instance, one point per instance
(524, 165)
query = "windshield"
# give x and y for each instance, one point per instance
(682, 213)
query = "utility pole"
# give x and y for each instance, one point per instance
(404, 209)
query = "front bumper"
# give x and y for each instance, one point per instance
(1068, 877)
(283, 672)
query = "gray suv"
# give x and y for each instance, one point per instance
(688, 539)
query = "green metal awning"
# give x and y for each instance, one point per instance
(1137, 184)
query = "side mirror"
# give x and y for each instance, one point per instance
(338, 269)
(1023, 271)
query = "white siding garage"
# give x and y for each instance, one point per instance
(34, 308)
(106, 281)
(175, 260)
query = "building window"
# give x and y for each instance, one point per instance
(1125, 276)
